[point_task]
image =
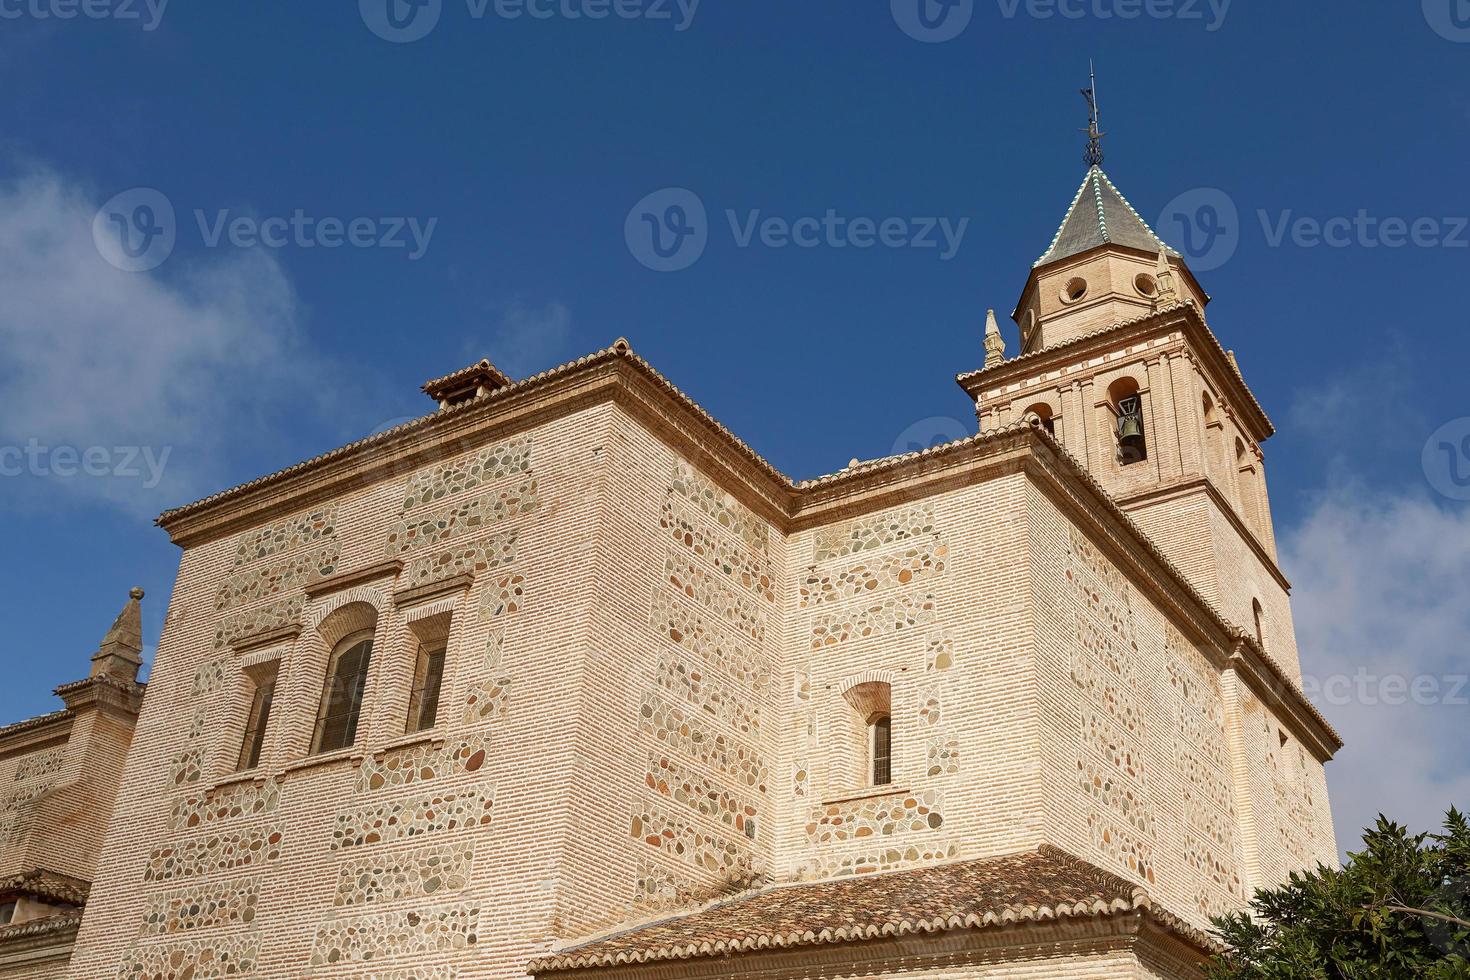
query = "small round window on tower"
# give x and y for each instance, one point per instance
(1146, 285)
(1074, 290)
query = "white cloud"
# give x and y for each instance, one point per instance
(184, 366)
(527, 339)
(1383, 590)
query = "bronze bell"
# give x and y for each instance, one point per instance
(1130, 430)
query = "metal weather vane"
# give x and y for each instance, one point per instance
(1094, 155)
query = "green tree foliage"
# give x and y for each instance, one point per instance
(1398, 908)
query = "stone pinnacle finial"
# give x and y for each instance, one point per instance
(995, 344)
(121, 652)
(1164, 274)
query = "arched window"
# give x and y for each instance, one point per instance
(1246, 472)
(880, 751)
(1043, 411)
(257, 721)
(347, 671)
(1260, 617)
(428, 678)
(870, 754)
(1128, 427)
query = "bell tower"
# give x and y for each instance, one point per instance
(1119, 365)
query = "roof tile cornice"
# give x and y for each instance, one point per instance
(1107, 896)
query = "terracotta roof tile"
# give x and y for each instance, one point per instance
(1033, 886)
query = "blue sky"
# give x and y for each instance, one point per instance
(518, 147)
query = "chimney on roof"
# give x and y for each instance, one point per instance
(121, 653)
(466, 385)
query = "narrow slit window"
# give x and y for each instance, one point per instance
(257, 722)
(341, 706)
(428, 680)
(881, 730)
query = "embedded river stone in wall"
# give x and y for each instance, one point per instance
(25, 793)
(659, 887)
(1124, 848)
(416, 816)
(278, 577)
(940, 653)
(263, 619)
(872, 532)
(944, 754)
(46, 762)
(678, 838)
(677, 781)
(217, 852)
(230, 803)
(287, 535)
(486, 466)
(882, 859)
(209, 678)
(424, 761)
(487, 701)
(386, 935)
(199, 959)
(719, 597)
(891, 571)
(437, 527)
(422, 872)
(503, 596)
(229, 903)
(186, 767)
(708, 638)
(738, 562)
(702, 690)
(473, 557)
(690, 484)
(1113, 792)
(684, 733)
(1106, 690)
(409, 973)
(880, 618)
(884, 816)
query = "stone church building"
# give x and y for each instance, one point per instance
(564, 680)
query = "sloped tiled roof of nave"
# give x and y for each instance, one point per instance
(1100, 215)
(1033, 886)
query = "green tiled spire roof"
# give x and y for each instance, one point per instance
(1100, 215)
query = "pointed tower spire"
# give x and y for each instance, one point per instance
(121, 652)
(1094, 155)
(995, 344)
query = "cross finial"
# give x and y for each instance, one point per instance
(1094, 155)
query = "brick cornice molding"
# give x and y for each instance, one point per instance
(1200, 344)
(1199, 482)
